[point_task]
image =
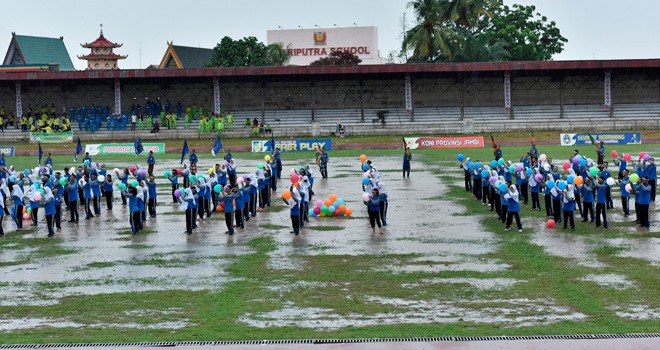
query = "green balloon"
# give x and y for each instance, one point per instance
(167, 174)
(512, 169)
(260, 166)
(135, 183)
(500, 162)
(324, 209)
(63, 182)
(191, 178)
(41, 191)
(593, 171)
(29, 211)
(121, 186)
(634, 178)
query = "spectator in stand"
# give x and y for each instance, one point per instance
(133, 121)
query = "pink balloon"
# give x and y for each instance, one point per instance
(317, 210)
(365, 197)
(292, 171)
(240, 180)
(567, 165)
(614, 154)
(26, 216)
(628, 188)
(37, 197)
(295, 178)
(538, 177)
(366, 174)
(132, 169)
(492, 179)
(627, 157)
(642, 154)
(319, 203)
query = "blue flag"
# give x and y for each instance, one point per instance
(272, 143)
(184, 150)
(138, 146)
(79, 149)
(217, 145)
(41, 153)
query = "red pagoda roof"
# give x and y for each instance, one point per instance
(101, 56)
(101, 42)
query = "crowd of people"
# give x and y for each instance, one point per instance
(583, 185)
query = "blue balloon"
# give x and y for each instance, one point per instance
(26, 172)
(470, 165)
(550, 184)
(12, 178)
(484, 173)
(365, 181)
(503, 188)
(583, 162)
(311, 212)
(460, 157)
(478, 165)
(570, 179)
(365, 166)
(561, 185)
(493, 164)
(331, 209)
(529, 172)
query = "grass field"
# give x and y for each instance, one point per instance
(363, 295)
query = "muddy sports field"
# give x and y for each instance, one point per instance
(444, 266)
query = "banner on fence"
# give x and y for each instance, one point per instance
(8, 151)
(618, 138)
(409, 100)
(122, 148)
(51, 137)
(445, 142)
(292, 145)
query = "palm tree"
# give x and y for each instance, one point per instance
(466, 13)
(278, 54)
(430, 39)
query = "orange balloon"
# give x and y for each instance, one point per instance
(348, 212)
(24, 210)
(578, 180)
(342, 208)
(328, 202)
(363, 158)
(286, 195)
(218, 208)
(332, 198)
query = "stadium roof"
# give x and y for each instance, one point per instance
(31, 50)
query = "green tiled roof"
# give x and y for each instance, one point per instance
(193, 57)
(40, 50)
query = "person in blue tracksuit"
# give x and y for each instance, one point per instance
(4, 192)
(227, 198)
(221, 174)
(556, 203)
(383, 203)
(193, 157)
(87, 196)
(294, 209)
(123, 178)
(652, 174)
(601, 202)
(373, 208)
(135, 218)
(151, 161)
(96, 194)
(34, 204)
(151, 185)
(245, 193)
(605, 173)
(278, 162)
(254, 185)
(644, 189)
(535, 189)
(240, 207)
(622, 163)
(142, 195)
(57, 195)
(188, 203)
(513, 210)
(568, 198)
(274, 175)
(407, 158)
(467, 174)
(17, 197)
(587, 200)
(174, 180)
(323, 163)
(72, 191)
(107, 191)
(49, 208)
(476, 179)
(625, 196)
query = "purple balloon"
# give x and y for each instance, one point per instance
(576, 160)
(493, 179)
(538, 177)
(519, 168)
(647, 156)
(177, 193)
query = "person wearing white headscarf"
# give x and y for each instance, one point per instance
(139, 197)
(254, 190)
(303, 190)
(131, 194)
(34, 205)
(294, 209)
(231, 172)
(547, 196)
(261, 188)
(556, 202)
(568, 197)
(201, 197)
(188, 204)
(535, 188)
(17, 196)
(498, 199)
(513, 210)
(49, 208)
(208, 197)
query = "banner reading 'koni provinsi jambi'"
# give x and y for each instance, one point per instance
(445, 142)
(618, 138)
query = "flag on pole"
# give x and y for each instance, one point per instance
(533, 141)
(184, 150)
(404, 141)
(79, 149)
(217, 145)
(41, 152)
(272, 143)
(138, 146)
(593, 142)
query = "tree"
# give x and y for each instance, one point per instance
(477, 48)
(527, 35)
(429, 38)
(337, 58)
(248, 52)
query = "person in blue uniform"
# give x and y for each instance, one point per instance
(323, 163)
(49, 208)
(278, 162)
(96, 194)
(107, 191)
(625, 196)
(652, 174)
(227, 198)
(568, 198)
(135, 219)
(294, 209)
(373, 208)
(245, 193)
(193, 157)
(601, 202)
(151, 161)
(72, 191)
(151, 185)
(644, 189)
(513, 211)
(587, 200)
(605, 173)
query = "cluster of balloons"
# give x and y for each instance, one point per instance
(169, 173)
(331, 206)
(627, 157)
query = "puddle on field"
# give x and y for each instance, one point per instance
(509, 313)
(568, 246)
(478, 283)
(637, 312)
(610, 280)
(17, 324)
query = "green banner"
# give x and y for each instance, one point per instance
(123, 148)
(52, 137)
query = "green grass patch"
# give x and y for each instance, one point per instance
(324, 228)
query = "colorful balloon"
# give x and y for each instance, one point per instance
(567, 165)
(267, 158)
(550, 223)
(561, 185)
(627, 157)
(634, 178)
(550, 184)
(365, 197)
(365, 182)
(217, 188)
(363, 158)
(570, 179)
(295, 178)
(460, 157)
(286, 194)
(578, 181)
(613, 154)
(628, 188)
(177, 193)
(593, 171)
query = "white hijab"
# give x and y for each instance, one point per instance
(189, 196)
(17, 192)
(569, 195)
(48, 194)
(260, 174)
(33, 190)
(253, 180)
(512, 194)
(382, 187)
(140, 193)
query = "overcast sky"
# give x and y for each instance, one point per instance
(596, 29)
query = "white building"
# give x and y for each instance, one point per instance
(308, 45)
